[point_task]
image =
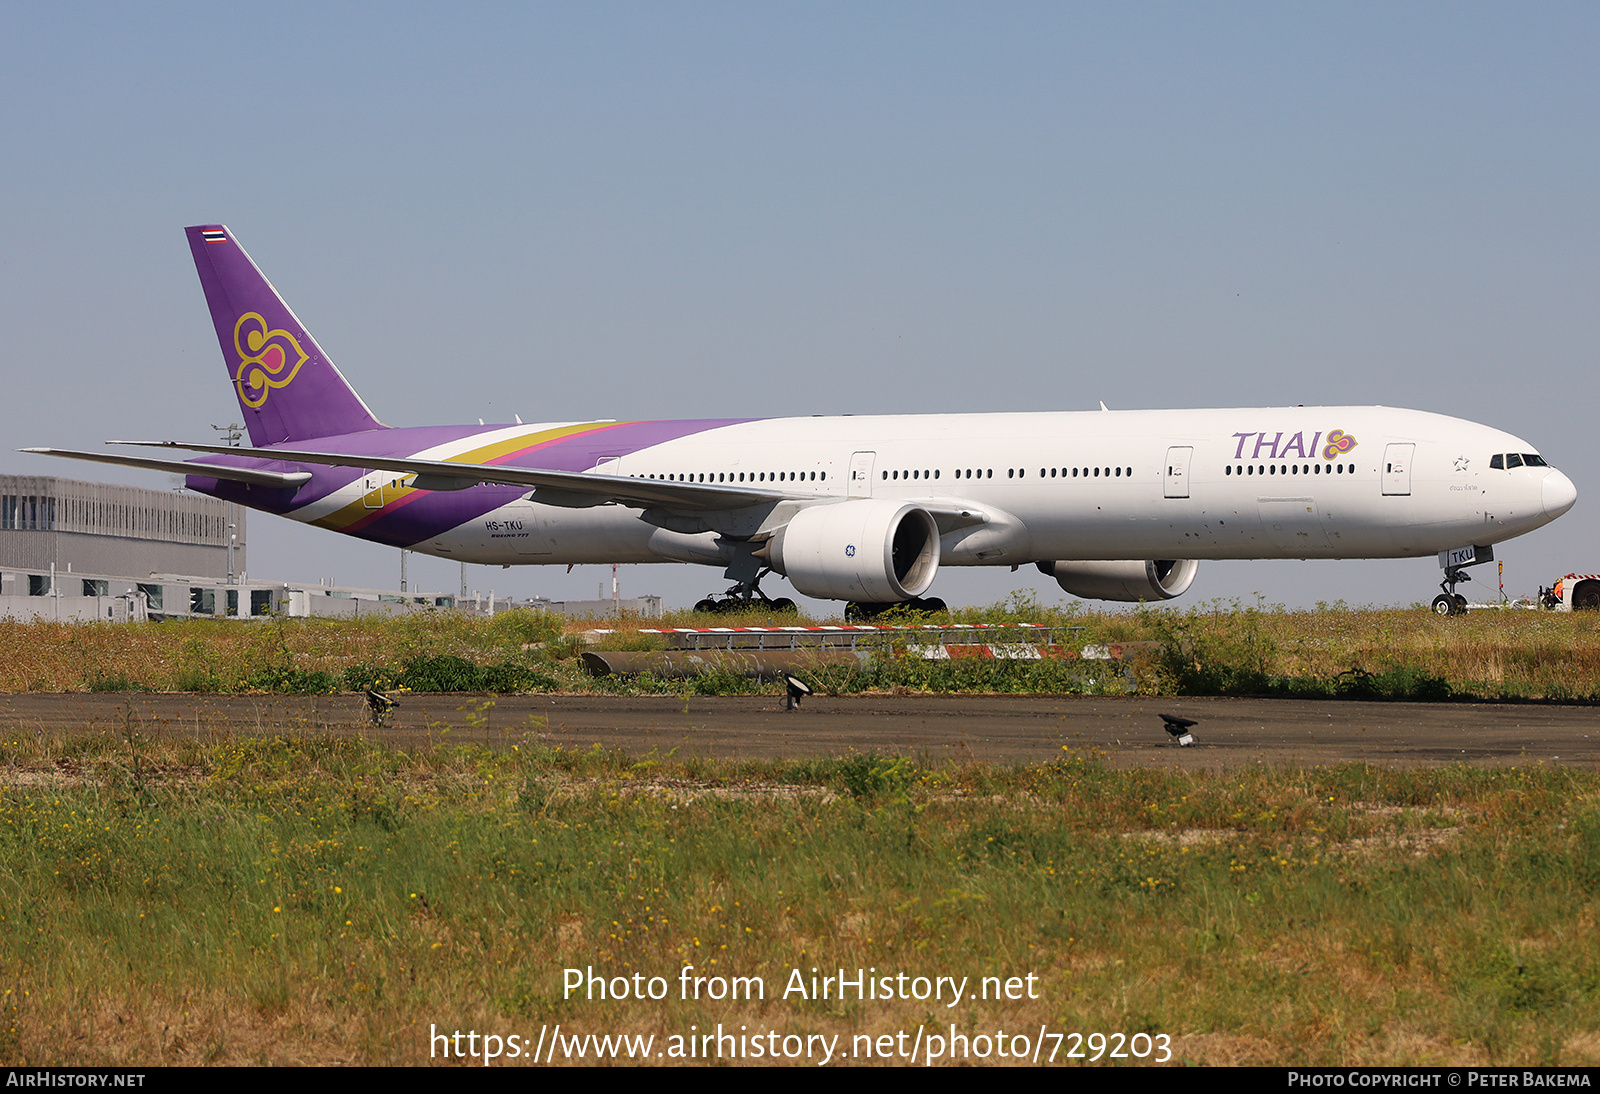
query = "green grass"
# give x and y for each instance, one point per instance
(1206, 649)
(315, 900)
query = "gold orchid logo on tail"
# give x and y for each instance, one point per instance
(268, 358)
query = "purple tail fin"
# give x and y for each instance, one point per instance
(286, 386)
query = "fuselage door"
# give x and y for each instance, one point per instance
(861, 474)
(1178, 472)
(1397, 469)
(372, 488)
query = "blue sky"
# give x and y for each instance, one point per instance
(756, 209)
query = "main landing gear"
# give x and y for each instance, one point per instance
(862, 612)
(747, 596)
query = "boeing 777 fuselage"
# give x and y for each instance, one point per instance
(1115, 504)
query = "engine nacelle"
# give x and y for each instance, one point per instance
(870, 550)
(1160, 579)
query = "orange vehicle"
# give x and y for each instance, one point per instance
(1572, 593)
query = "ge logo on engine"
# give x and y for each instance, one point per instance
(850, 550)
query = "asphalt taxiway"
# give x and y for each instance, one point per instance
(937, 728)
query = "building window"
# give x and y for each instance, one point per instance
(38, 584)
(202, 601)
(96, 587)
(261, 601)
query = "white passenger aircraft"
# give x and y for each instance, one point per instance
(1116, 505)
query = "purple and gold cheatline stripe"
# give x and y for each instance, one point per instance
(358, 514)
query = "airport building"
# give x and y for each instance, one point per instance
(73, 551)
(74, 596)
(94, 527)
(639, 607)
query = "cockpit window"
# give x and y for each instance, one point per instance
(1516, 459)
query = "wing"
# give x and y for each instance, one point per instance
(569, 489)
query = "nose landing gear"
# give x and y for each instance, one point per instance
(1451, 602)
(1455, 562)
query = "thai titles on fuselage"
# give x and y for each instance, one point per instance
(1274, 446)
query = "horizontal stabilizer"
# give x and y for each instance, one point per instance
(279, 480)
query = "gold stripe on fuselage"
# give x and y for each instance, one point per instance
(391, 495)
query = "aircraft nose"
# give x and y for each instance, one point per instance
(1559, 494)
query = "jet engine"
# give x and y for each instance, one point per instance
(867, 550)
(1160, 579)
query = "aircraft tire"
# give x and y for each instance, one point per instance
(1587, 597)
(930, 604)
(708, 606)
(783, 606)
(1460, 604)
(1443, 605)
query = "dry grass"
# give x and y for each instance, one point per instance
(1532, 652)
(1210, 648)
